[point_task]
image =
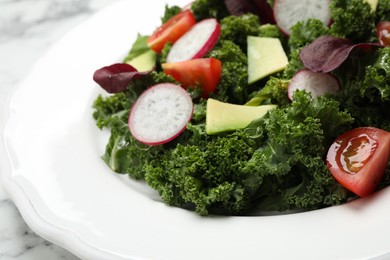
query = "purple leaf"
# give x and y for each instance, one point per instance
(327, 53)
(116, 77)
(261, 8)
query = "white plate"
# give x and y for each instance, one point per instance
(51, 167)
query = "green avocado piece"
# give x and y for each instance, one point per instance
(144, 62)
(265, 57)
(222, 117)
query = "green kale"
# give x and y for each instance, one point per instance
(203, 177)
(110, 111)
(274, 92)
(291, 160)
(383, 11)
(203, 9)
(170, 11)
(237, 29)
(333, 117)
(306, 32)
(162, 57)
(123, 153)
(233, 86)
(293, 65)
(365, 91)
(199, 114)
(279, 156)
(377, 79)
(352, 19)
(271, 31)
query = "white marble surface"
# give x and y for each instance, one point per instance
(28, 28)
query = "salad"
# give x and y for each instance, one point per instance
(233, 107)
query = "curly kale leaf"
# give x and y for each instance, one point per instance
(383, 11)
(333, 118)
(170, 11)
(274, 92)
(237, 28)
(204, 177)
(294, 64)
(271, 31)
(365, 91)
(233, 86)
(110, 111)
(291, 162)
(377, 79)
(203, 9)
(276, 158)
(306, 32)
(162, 57)
(352, 19)
(123, 154)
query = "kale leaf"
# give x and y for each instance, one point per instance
(306, 32)
(274, 92)
(365, 91)
(237, 28)
(170, 11)
(203, 9)
(383, 11)
(279, 156)
(233, 86)
(352, 19)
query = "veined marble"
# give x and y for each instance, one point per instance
(28, 28)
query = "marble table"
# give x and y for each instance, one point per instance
(28, 28)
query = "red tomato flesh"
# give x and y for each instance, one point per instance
(204, 72)
(383, 33)
(171, 31)
(358, 159)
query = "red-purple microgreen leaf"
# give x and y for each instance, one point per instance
(327, 53)
(240, 7)
(261, 8)
(116, 77)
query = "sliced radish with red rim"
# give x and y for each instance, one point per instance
(197, 42)
(288, 12)
(315, 83)
(160, 114)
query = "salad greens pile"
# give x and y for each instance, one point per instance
(277, 163)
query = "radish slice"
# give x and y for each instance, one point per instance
(197, 42)
(315, 83)
(160, 114)
(288, 12)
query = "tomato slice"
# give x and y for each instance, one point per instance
(358, 159)
(383, 33)
(171, 31)
(204, 72)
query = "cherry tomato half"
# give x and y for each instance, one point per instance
(203, 72)
(358, 159)
(171, 31)
(383, 33)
